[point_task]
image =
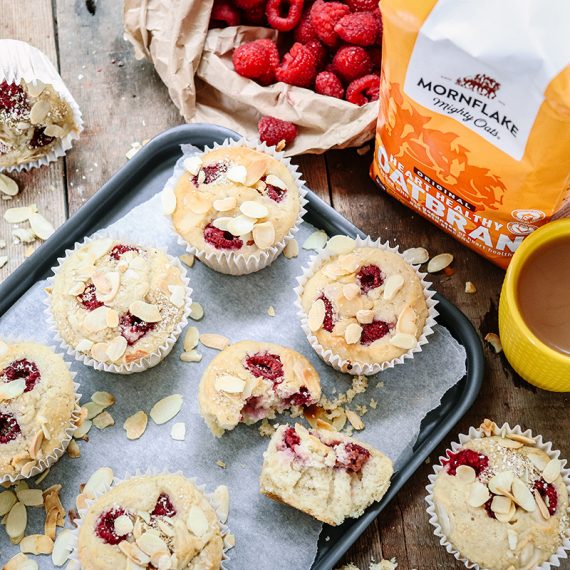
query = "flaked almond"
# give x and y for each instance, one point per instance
(416, 255)
(192, 356)
(273, 180)
(191, 339)
(103, 420)
(197, 522)
(31, 497)
(196, 311)
(523, 495)
(509, 443)
(552, 470)
(407, 321)
(17, 520)
(164, 410)
(521, 439)
(187, 259)
(237, 173)
(26, 235)
(264, 235)
(11, 390)
(40, 226)
(494, 340)
(466, 473)
(193, 164)
(178, 431)
(225, 204)
(215, 341)
(439, 262)
(116, 348)
(8, 186)
(538, 460)
(62, 547)
(222, 223)
(350, 292)
(255, 170)
(96, 320)
(253, 209)
(147, 312)
(168, 201)
(512, 539)
(20, 562)
(112, 318)
(501, 481)
(340, 245)
(104, 399)
(354, 419)
(365, 316)
(93, 409)
(99, 482)
(221, 498)
(241, 225)
(83, 429)
(113, 279)
(470, 287)
(542, 508)
(36, 88)
(123, 525)
(271, 311)
(84, 345)
(316, 315)
(230, 384)
(291, 249)
(3, 260)
(316, 241)
(404, 340)
(198, 204)
(135, 425)
(501, 505)
(150, 543)
(73, 449)
(19, 215)
(7, 500)
(39, 111)
(134, 553)
(392, 285)
(352, 333)
(478, 494)
(36, 444)
(36, 544)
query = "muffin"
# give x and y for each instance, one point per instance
(38, 408)
(236, 207)
(249, 381)
(501, 500)
(161, 520)
(325, 474)
(363, 307)
(119, 306)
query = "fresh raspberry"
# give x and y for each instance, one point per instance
(105, 526)
(328, 323)
(488, 508)
(257, 60)
(305, 32)
(477, 461)
(324, 17)
(89, 298)
(265, 365)
(291, 438)
(274, 192)
(352, 62)
(362, 5)
(375, 53)
(352, 457)
(221, 239)
(284, 15)
(299, 67)
(272, 131)
(22, 369)
(369, 277)
(363, 90)
(319, 51)
(301, 398)
(163, 507)
(374, 331)
(132, 328)
(13, 97)
(252, 408)
(548, 493)
(120, 250)
(327, 83)
(224, 13)
(39, 138)
(361, 29)
(211, 172)
(255, 16)
(9, 428)
(249, 4)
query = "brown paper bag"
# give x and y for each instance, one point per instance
(195, 64)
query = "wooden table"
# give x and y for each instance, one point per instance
(123, 101)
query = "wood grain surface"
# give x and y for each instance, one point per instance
(123, 101)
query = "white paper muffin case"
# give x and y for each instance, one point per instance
(350, 366)
(51, 459)
(139, 365)
(75, 564)
(19, 60)
(229, 262)
(475, 433)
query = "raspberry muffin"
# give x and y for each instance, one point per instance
(119, 306)
(325, 474)
(236, 207)
(161, 521)
(501, 501)
(250, 381)
(362, 308)
(37, 408)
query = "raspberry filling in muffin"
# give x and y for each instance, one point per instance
(163, 507)
(22, 368)
(89, 298)
(274, 192)
(119, 250)
(211, 173)
(369, 277)
(105, 528)
(221, 239)
(132, 328)
(9, 428)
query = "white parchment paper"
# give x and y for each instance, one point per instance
(269, 535)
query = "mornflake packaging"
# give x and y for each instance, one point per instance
(474, 121)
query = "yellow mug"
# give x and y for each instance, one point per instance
(536, 362)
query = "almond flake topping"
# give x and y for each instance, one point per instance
(365, 316)
(241, 225)
(466, 473)
(340, 245)
(164, 410)
(392, 285)
(230, 384)
(222, 223)
(479, 494)
(193, 164)
(197, 522)
(191, 339)
(19, 215)
(99, 482)
(145, 311)
(316, 315)
(404, 340)
(31, 497)
(523, 496)
(11, 390)
(116, 348)
(225, 204)
(501, 482)
(350, 292)
(544, 512)
(352, 333)
(501, 505)
(237, 174)
(7, 501)
(187, 259)
(103, 420)
(104, 399)
(96, 320)
(354, 419)
(177, 295)
(40, 226)
(123, 525)
(264, 235)
(254, 209)
(552, 470)
(135, 425)
(273, 180)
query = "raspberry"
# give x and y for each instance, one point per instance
(163, 507)
(105, 527)
(132, 328)
(9, 428)
(89, 299)
(211, 172)
(369, 277)
(352, 62)
(252, 409)
(301, 398)
(352, 457)
(22, 369)
(284, 15)
(221, 239)
(121, 249)
(265, 365)
(548, 493)
(249, 4)
(361, 29)
(305, 32)
(328, 323)
(13, 97)
(375, 54)
(291, 438)
(257, 60)
(255, 16)
(324, 17)
(478, 461)
(224, 13)
(299, 67)
(327, 83)
(488, 508)
(39, 138)
(363, 90)
(374, 331)
(272, 131)
(274, 192)
(362, 5)
(319, 51)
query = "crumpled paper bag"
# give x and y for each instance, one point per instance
(195, 64)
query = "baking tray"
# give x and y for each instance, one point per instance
(141, 178)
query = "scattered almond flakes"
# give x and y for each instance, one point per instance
(215, 341)
(266, 429)
(354, 419)
(18, 562)
(196, 311)
(36, 544)
(135, 425)
(279, 147)
(192, 356)
(103, 420)
(291, 249)
(42, 476)
(104, 399)
(494, 340)
(3, 260)
(470, 287)
(373, 404)
(166, 408)
(187, 259)
(73, 449)
(361, 409)
(271, 311)
(316, 241)
(178, 431)
(221, 464)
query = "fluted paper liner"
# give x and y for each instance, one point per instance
(351, 366)
(475, 433)
(138, 365)
(149, 472)
(19, 60)
(54, 456)
(229, 262)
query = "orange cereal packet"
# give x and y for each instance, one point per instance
(474, 123)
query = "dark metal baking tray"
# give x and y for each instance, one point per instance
(145, 175)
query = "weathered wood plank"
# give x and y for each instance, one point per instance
(32, 22)
(314, 170)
